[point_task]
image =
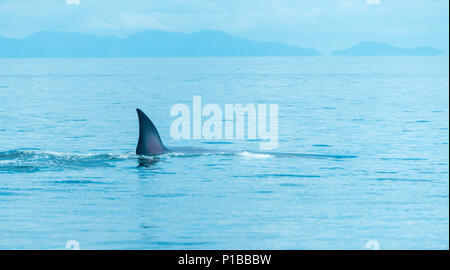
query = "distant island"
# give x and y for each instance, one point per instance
(384, 49)
(156, 43)
(150, 43)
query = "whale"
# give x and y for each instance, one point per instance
(150, 144)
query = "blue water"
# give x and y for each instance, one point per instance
(68, 130)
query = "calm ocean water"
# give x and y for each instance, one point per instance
(68, 130)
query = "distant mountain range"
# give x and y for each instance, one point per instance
(150, 43)
(379, 49)
(155, 43)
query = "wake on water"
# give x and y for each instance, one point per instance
(33, 160)
(14, 161)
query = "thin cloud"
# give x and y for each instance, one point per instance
(73, 2)
(373, 2)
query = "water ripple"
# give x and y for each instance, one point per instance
(32, 160)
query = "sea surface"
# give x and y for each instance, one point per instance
(68, 132)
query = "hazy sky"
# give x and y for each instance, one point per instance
(325, 25)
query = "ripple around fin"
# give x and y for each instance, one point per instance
(33, 160)
(254, 155)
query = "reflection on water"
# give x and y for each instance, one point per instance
(147, 162)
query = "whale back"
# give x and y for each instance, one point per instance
(149, 140)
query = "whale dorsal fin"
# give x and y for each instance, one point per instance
(149, 141)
